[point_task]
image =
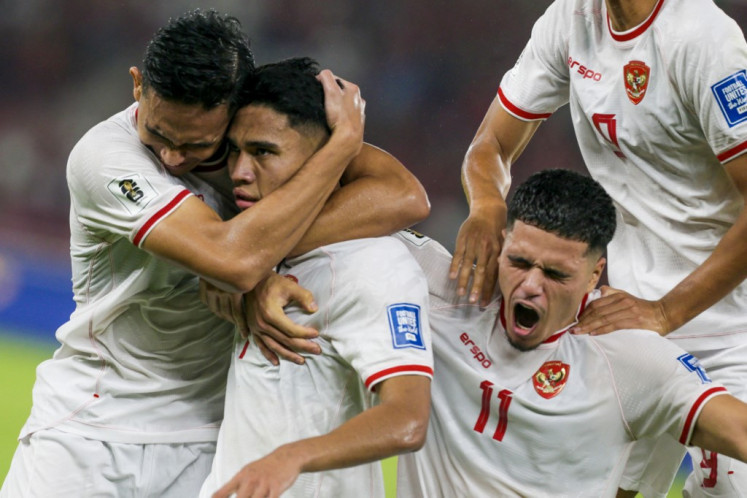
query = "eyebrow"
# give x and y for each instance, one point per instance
(198, 145)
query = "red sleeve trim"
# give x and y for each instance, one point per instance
(520, 112)
(400, 370)
(729, 154)
(685, 436)
(140, 235)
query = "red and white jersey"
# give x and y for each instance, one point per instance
(373, 325)
(657, 110)
(141, 360)
(555, 421)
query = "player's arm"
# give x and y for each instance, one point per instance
(722, 427)
(486, 178)
(398, 424)
(240, 252)
(724, 269)
(379, 196)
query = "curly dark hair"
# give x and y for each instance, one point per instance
(566, 203)
(200, 57)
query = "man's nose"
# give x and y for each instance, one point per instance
(172, 157)
(242, 170)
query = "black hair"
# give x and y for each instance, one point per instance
(567, 204)
(289, 87)
(201, 57)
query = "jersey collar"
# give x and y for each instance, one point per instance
(638, 30)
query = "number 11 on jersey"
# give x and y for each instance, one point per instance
(505, 397)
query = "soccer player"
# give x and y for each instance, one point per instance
(657, 91)
(366, 397)
(131, 402)
(520, 407)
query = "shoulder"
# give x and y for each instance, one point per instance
(641, 351)
(370, 259)
(690, 27)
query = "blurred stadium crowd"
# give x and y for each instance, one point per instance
(428, 70)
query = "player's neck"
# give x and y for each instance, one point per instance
(627, 14)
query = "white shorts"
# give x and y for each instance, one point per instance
(52, 463)
(653, 463)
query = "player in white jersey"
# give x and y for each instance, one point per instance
(140, 373)
(657, 91)
(366, 396)
(520, 407)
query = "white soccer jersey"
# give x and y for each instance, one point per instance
(555, 421)
(141, 360)
(656, 111)
(373, 325)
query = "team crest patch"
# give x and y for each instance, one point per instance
(550, 379)
(132, 191)
(404, 324)
(636, 75)
(731, 95)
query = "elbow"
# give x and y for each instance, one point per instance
(412, 436)
(416, 204)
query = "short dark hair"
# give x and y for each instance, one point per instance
(289, 87)
(200, 57)
(567, 204)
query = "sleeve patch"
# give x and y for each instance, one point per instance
(404, 324)
(134, 192)
(731, 95)
(692, 364)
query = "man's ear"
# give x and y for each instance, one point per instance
(137, 83)
(596, 274)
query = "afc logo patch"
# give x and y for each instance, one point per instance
(404, 324)
(731, 95)
(133, 192)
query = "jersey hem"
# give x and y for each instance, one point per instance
(133, 436)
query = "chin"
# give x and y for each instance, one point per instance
(521, 345)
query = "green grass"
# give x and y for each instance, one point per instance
(18, 361)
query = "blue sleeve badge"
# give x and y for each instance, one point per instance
(731, 95)
(404, 324)
(693, 365)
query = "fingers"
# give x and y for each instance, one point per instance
(273, 347)
(265, 350)
(491, 279)
(344, 105)
(619, 310)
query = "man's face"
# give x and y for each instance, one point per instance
(265, 152)
(181, 135)
(543, 278)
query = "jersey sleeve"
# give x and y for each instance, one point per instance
(709, 58)
(378, 319)
(117, 188)
(661, 388)
(538, 84)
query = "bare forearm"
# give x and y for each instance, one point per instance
(725, 269)
(378, 197)
(486, 178)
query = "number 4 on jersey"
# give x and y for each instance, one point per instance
(487, 395)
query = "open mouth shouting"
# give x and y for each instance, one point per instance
(525, 319)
